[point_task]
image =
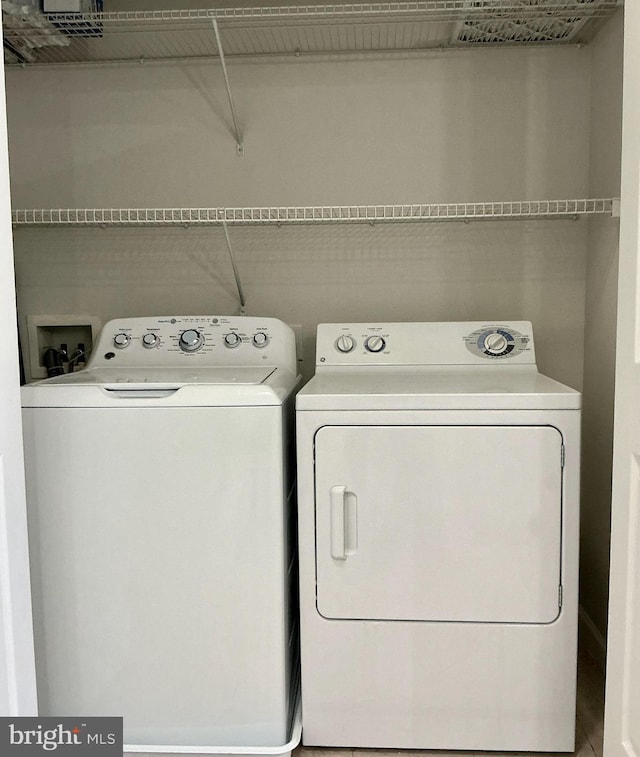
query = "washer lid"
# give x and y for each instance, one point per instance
(439, 388)
(223, 386)
(153, 376)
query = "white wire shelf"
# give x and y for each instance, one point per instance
(329, 214)
(38, 39)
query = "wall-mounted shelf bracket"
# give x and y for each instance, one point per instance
(241, 297)
(234, 116)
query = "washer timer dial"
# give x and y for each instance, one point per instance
(190, 340)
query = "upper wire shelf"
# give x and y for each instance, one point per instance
(39, 39)
(330, 214)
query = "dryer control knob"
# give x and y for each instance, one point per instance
(374, 344)
(260, 339)
(190, 340)
(150, 340)
(495, 344)
(232, 339)
(345, 343)
(121, 341)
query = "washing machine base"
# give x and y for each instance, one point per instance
(285, 750)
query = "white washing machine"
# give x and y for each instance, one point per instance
(162, 534)
(438, 538)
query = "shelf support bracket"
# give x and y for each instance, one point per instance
(234, 116)
(241, 297)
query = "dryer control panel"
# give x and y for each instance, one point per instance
(205, 340)
(410, 344)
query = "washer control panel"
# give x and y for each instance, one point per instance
(207, 340)
(456, 343)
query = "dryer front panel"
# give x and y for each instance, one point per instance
(439, 523)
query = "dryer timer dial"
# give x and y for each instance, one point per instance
(495, 344)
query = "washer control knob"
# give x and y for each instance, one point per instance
(150, 340)
(121, 341)
(345, 343)
(374, 344)
(190, 340)
(260, 339)
(495, 343)
(232, 339)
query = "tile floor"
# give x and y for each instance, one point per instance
(589, 724)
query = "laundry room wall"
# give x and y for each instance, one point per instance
(600, 334)
(445, 127)
(441, 127)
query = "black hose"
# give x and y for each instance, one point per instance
(53, 362)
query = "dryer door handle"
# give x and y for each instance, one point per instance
(343, 506)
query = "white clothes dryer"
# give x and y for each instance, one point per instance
(161, 526)
(438, 477)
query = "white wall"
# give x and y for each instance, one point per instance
(17, 667)
(458, 126)
(308, 275)
(447, 127)
(600, 330)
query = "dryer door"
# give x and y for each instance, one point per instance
(440, 523)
